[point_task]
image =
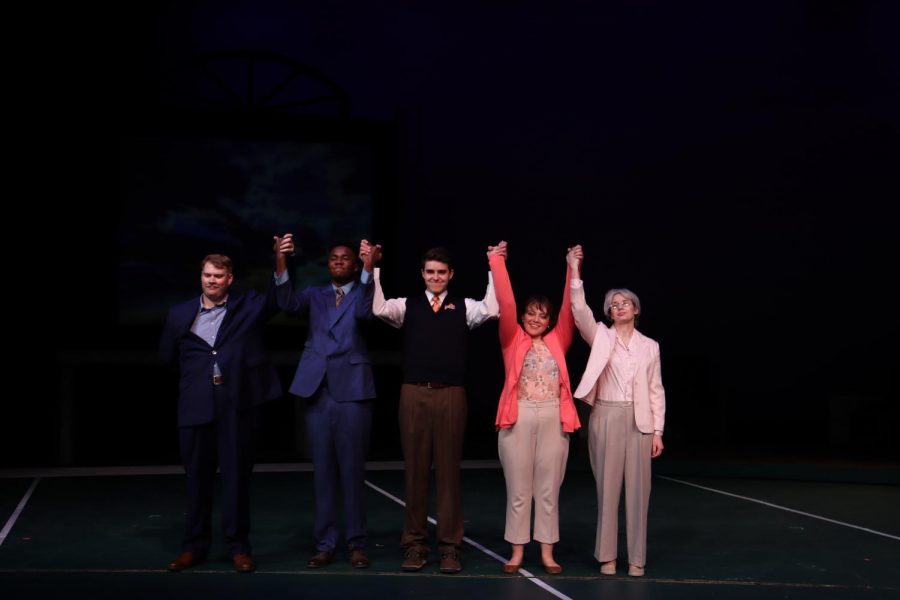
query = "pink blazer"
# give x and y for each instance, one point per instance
(516, 343)
(648, 393)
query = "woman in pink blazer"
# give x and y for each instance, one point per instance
(623, 383)
(535, 415)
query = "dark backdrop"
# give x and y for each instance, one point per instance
(734, 164)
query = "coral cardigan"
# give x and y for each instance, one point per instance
(516, 343)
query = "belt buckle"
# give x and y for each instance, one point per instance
(217, 380)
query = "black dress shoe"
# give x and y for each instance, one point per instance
(183, 561)
(320, 559)
(358, 559)
(243, 563)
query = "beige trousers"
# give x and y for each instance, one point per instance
(620, 451)
(533, 453)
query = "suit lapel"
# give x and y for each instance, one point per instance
(232, 308)
(187, 314)
(601, 347)
(640, 345)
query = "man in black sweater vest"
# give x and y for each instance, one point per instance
(432, 399)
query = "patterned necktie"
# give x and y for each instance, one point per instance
(435, 303)
(339, 295)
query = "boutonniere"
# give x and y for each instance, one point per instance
(450, 306)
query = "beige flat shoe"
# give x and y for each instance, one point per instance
(608, 568)
(635, 571)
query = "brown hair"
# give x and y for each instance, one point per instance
(438, 254)
(220, 261)
(543, 303)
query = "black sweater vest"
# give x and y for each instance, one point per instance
(434, 343)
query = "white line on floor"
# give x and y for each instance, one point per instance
(15, 516)
(785, 508)
(487, 551)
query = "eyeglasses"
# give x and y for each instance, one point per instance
(623, 304)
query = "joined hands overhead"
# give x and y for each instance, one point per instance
(283, 245)
(500, 248)
(369, 254)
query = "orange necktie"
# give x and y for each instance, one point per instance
(435, 303)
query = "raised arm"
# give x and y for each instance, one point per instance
(283, 247)
(392, 311)
(506, 301)
(285, 297)
(480, 311)
(584, 317)
(565, 324)
(369, 255)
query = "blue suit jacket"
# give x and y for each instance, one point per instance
(334, 345)
(250, 377)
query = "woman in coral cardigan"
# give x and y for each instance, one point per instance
(623, 384)
(535, 415)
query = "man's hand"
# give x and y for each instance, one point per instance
(283, 245)
(369, 254)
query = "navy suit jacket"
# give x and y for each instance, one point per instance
(249, 375)
(334, 345)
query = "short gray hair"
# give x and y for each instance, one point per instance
(607, 301)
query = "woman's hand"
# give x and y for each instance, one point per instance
(657, 445)
(575, 256)
(500, 249)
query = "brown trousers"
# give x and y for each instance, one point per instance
(620, 451)
(432, 426)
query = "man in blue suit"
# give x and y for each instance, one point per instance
(224, 373)
(335, 374)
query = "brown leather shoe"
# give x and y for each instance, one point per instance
(450, 562)
(183, 561)
(320, 559)
(358, 558)
(552, 569)
(416, 558)
(511, 568)
(243, 563)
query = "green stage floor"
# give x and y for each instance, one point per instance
(100, 536)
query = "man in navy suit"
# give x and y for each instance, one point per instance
(335, 375)
(224, 373)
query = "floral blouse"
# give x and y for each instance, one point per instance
(539, 379)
